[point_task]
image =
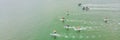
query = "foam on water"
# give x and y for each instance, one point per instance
(66, 36)
(58, 35)
(113, 5)
(81, 36)
(112, 9)
(73, 36)
(110, 6)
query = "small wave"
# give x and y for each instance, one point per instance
(115, 9)
(114, 5)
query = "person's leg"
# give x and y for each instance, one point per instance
(79, 4)
(54, 37)
(78, 30)
(63, 21)
(106, 21)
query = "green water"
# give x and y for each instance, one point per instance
(35, 19)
